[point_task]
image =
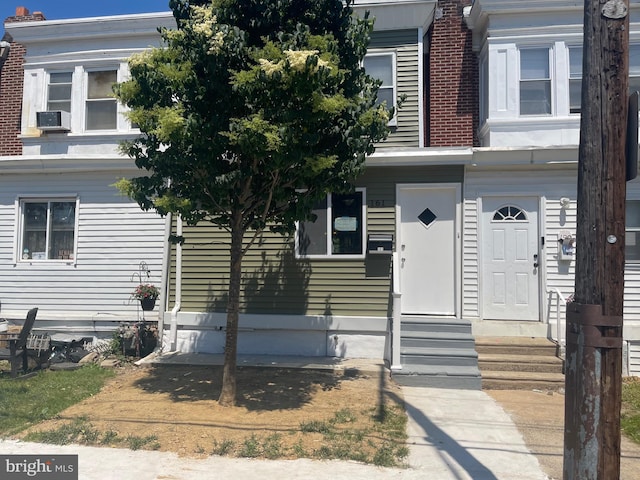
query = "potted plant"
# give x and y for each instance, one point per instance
(147, 294)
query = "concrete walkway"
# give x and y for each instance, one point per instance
(453, 434)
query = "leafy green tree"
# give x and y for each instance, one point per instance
(250, 113)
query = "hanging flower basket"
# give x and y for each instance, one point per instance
(147, 294)
(147, 303)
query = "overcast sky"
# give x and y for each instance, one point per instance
(59, 9)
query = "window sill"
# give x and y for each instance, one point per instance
(33, 263)
(331, 257)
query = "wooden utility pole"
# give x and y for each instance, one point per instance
(594, 321)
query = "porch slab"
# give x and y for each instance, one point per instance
(336, 364)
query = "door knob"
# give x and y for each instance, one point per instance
(535, 260)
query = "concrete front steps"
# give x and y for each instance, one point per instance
(519, 363)
(437, 352)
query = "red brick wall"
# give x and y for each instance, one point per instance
(452, 80)
(11, 82)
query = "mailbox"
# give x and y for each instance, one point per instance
(380, 243)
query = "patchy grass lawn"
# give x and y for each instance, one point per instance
(281, 414)
(28, 401)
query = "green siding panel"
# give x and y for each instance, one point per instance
(405, 44)
(276, 282)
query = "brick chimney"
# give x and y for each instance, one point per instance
(23, 15)
(11, 86)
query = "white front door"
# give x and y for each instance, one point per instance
(427, 247)
(510, 257)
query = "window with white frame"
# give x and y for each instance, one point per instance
(101, 105)
(575, 79)
(575, 74)
(59, 91)
(632, 232)
(535, 82)
(48, 229)
(339, 229)
(382, 66)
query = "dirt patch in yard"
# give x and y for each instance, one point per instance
(281, 413)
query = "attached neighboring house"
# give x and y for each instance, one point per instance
(530, 64)
(70, 244)
(465, 216)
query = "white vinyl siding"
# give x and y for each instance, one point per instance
(470, 259)
(634, 358)
(113, 236)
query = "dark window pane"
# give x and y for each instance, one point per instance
(385, 95)
(101, 84)
(101, 115)
(35, 215)
(63, 215)
(509, 213)
(534, 64)
(575, 95)
(60, 77)
(61, 245)
(312, 236)
(535, 97)
(59, 92)
(380, 67)
(346, 221)
(632, 216)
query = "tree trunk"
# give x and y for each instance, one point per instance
(594, 321)
(228, 393)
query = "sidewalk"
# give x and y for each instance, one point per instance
(453, 434)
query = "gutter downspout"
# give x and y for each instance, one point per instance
(396, 364)
(173, 332)
(166, 257)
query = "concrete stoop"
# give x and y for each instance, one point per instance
(519, 363)
(437, 352)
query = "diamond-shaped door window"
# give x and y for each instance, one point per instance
(427, 217)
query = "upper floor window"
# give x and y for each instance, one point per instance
(101, 105)
(535, 82)
(338, 230)
(48, 229)
(575, 74)
(632, 232)
(59, 91)
(381, 66)
(575, 79)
